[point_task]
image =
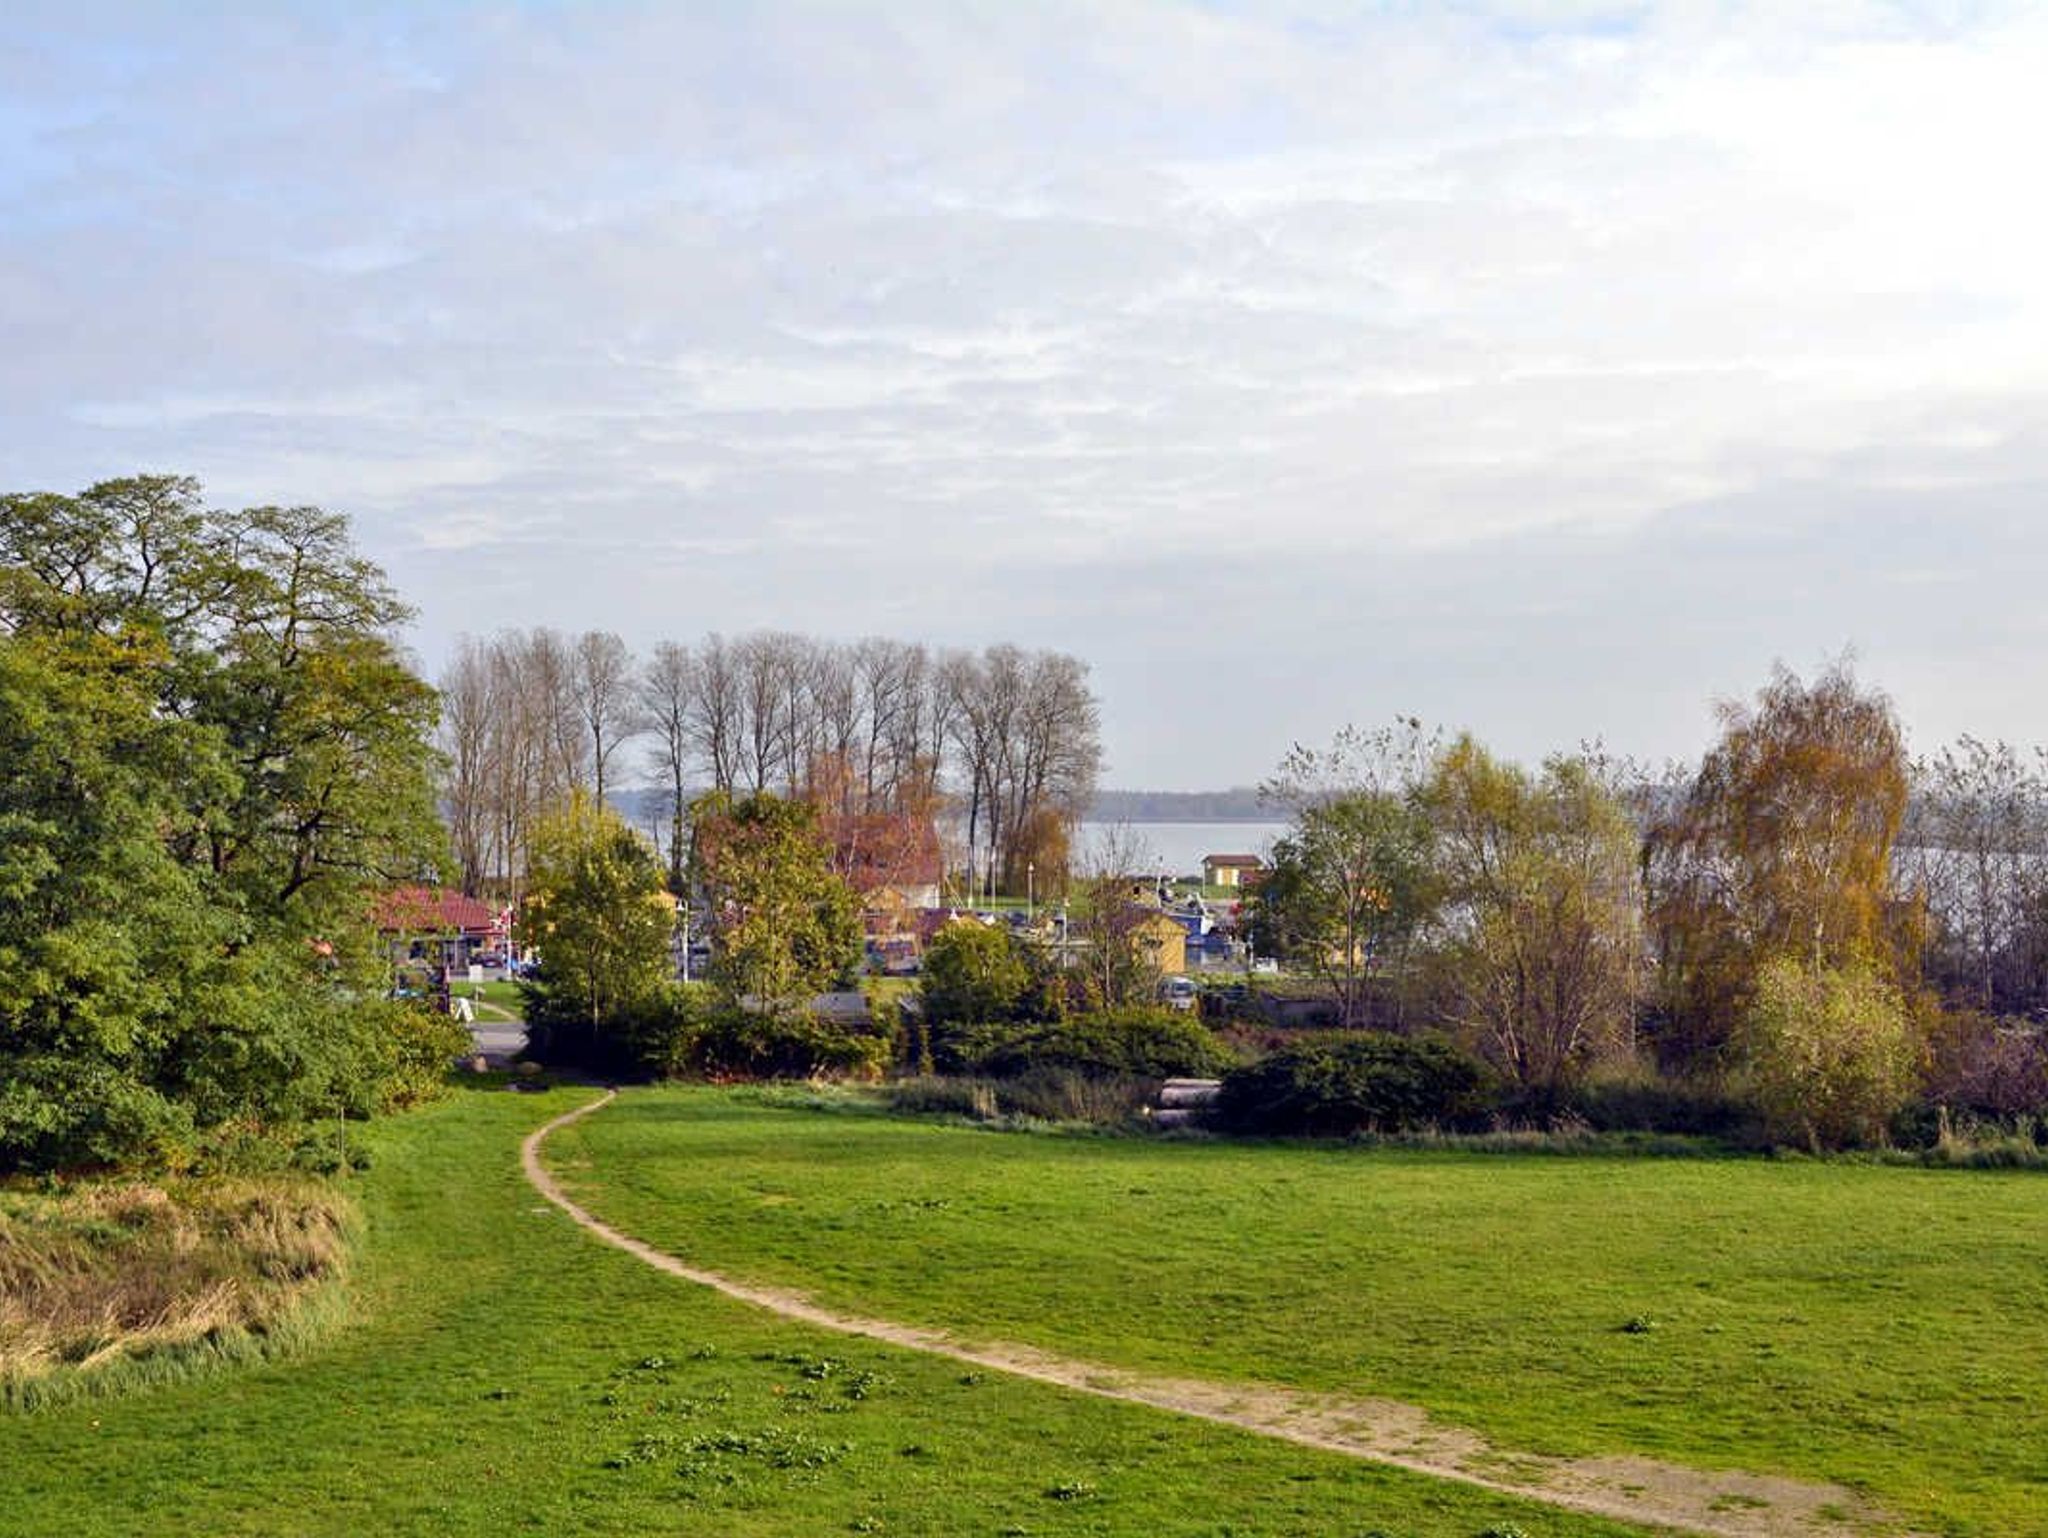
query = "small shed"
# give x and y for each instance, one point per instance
(1231, 870)
(1162, 942)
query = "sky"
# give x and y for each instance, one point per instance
(1543, 370)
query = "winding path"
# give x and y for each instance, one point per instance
(1724, 1503)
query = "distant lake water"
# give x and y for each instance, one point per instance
(1177, 847)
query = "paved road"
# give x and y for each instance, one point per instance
(498, 1041)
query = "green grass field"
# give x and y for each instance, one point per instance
(499, 1372)
(1883, 1328)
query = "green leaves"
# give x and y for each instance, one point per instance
(1349, 889)
(784, 926)
(214, 751)
(597, 910)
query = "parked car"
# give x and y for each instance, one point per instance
(1178, 993)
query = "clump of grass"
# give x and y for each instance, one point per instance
(1036, 1100)
(105, 1287)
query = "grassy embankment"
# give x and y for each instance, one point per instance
(497, 1371)
(1883, 1328)
(107, 1287)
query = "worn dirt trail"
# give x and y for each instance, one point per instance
(1723, 1503)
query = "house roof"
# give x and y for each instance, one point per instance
(432, 910)
(1241, 861)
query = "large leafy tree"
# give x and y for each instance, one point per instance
(107, 941)
(214, 750)
(1353, 881)
(783, 925)
(1541, 946)
(1781, 847)
(597, 910)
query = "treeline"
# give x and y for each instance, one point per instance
(875, 728)
(214, 753)
(1750, 924)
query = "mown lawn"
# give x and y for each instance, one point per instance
(499, 1373)
(1883, 1328)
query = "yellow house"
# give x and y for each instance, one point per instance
(1230, 870)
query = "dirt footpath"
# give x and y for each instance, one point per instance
(1724, 1503)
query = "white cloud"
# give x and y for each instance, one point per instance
(934, 312)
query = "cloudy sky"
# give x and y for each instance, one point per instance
(1546, 370)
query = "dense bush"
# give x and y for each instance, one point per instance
(1832, 1053)
(1138, 1040)
(958, 1046)
(414, 1048)
(1356, 1083)
(1141, 1041)
(740, 1043)
(683, 1030)
(1986, 1066)
(657, 1036)
(973, 972)
(1637, 1098)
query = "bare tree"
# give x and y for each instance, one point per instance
(972, 733)
(1026, 728)
(668, 700)
(601, 685)
(465, 740)
(1979, 850)
(888, 677)
(718, 712)
(873, 731)
(1108, 922)
(546, 672)
(766, 662)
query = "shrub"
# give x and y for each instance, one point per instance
(1637, 1098)
(661, 1037)
(655, 1036)
(1058, 1094)
(742, 1043)
(1831, 1050)
(1986, 1066)
(1357, 1083)
(1141, 1041)
(973, 973)
(965, 1047)
(417, 1047)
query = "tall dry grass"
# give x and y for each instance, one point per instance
(96, 1279)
